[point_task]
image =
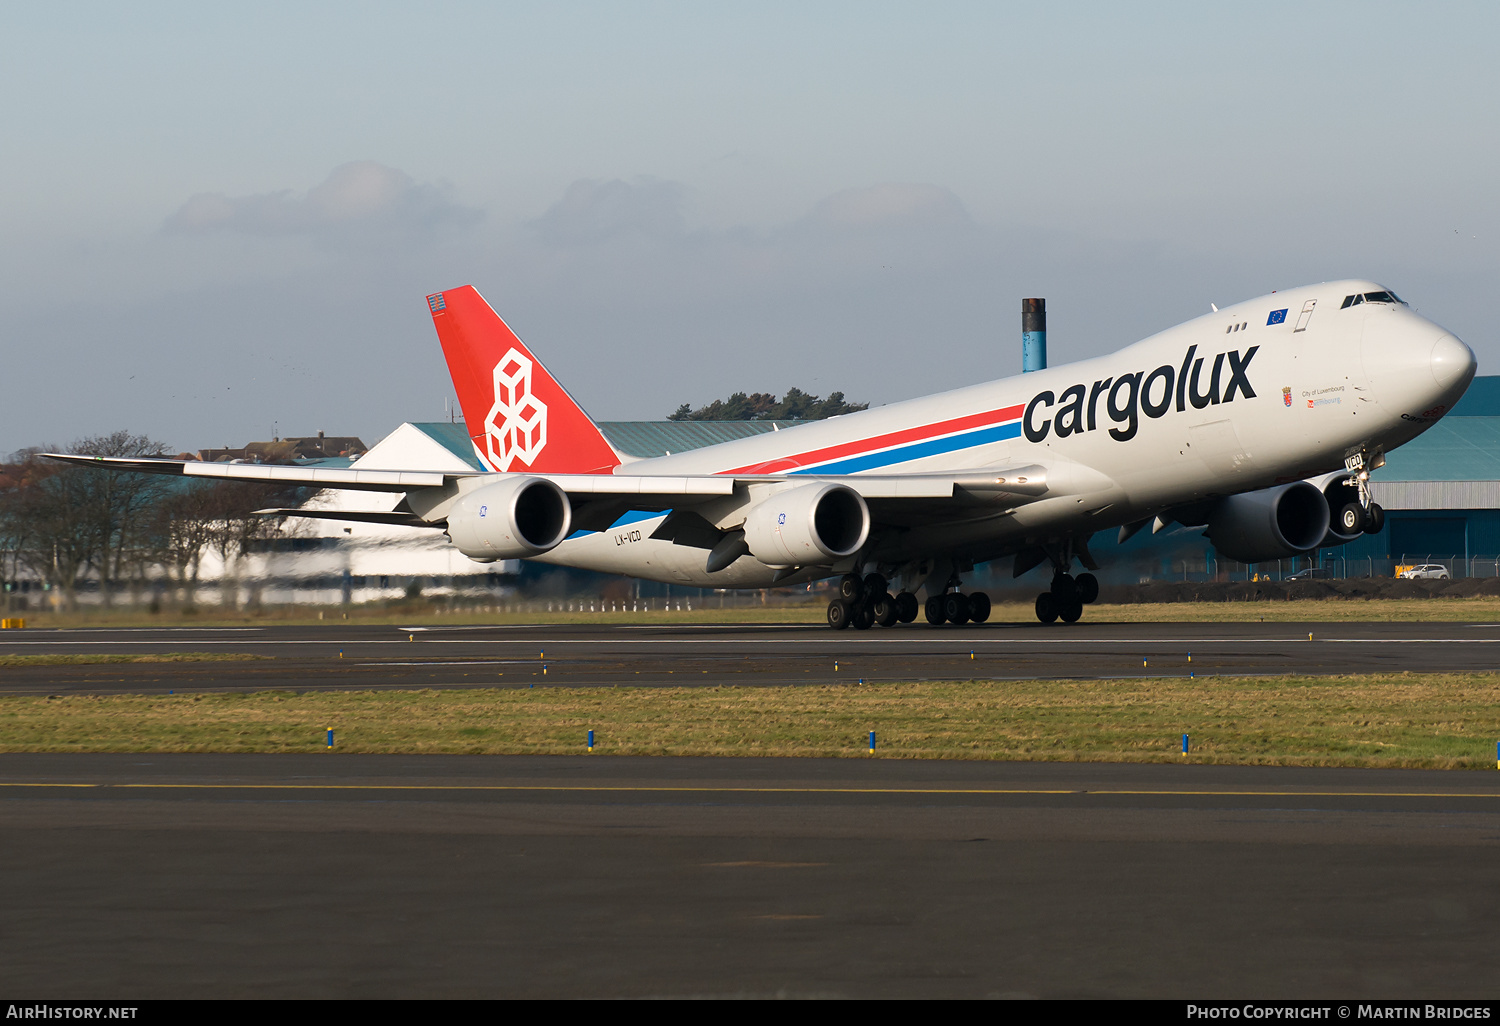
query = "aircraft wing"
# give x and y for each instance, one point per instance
(1024, 483)
(598, 500)
(319, 477)
(355, 479)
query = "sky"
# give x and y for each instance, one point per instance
(216, 223)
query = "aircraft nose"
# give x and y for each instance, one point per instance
(1452, 362)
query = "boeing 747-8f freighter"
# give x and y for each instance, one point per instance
(1260, 422)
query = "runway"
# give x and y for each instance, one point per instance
(136, 876)
(341, 657)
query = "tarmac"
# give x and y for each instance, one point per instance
(330, 876)
(343, 657)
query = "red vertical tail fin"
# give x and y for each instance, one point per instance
(519, 418)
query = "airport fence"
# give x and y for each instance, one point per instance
(1208, 568)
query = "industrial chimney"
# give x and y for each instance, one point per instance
(1033, 335)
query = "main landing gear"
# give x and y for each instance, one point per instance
(865, 601)
(1066, 598)
(956, 607)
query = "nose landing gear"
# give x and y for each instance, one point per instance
(1366, 514)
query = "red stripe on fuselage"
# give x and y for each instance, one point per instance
(916, 434)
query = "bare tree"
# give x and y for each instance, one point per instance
(15, 528)
(234, 526)
(58, 520)
(49, 513)
(182, 527)
(118, 505)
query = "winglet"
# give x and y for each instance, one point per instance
(519, 418)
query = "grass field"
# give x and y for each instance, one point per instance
(1407, 720)
(1486, 608)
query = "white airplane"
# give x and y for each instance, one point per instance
(1260, 422)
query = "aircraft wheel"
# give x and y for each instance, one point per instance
(979, 607)
(934, 610)
(906, 607)
(885, 611)
(1375, 523)
(876, 585)
(851, 587)
(1070, 611)
(1046, 607)
(1088, 588)
(838, 614)
(1351, 518)
(956, 608)
(1064, 587)
(863, 617)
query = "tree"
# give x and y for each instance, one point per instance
(118, 506)
(182, 526)
(58, 520)
(795, 405)
(50, 521)
(233, 525)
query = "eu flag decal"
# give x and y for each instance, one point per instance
(437, 302)
(1277, 317)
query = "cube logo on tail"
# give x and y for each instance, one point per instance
(516, 428)
(517, 415)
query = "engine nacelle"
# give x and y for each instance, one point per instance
(1273, 523)
(510, 519)
(807, 526)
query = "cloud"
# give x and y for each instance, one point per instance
(592, 211)
(361, 199)
(632, 243)
(892, 205)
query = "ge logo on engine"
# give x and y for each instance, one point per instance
(516, 427)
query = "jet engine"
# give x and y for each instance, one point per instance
(1272, 523)
(510, 519)
(810, 525)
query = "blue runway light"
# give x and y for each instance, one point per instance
(1184, 744)
(591, 740)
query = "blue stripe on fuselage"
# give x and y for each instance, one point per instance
(935, 447)
(633, 517)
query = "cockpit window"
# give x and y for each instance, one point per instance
(1372, 297)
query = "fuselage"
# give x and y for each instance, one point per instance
(1274, 389)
